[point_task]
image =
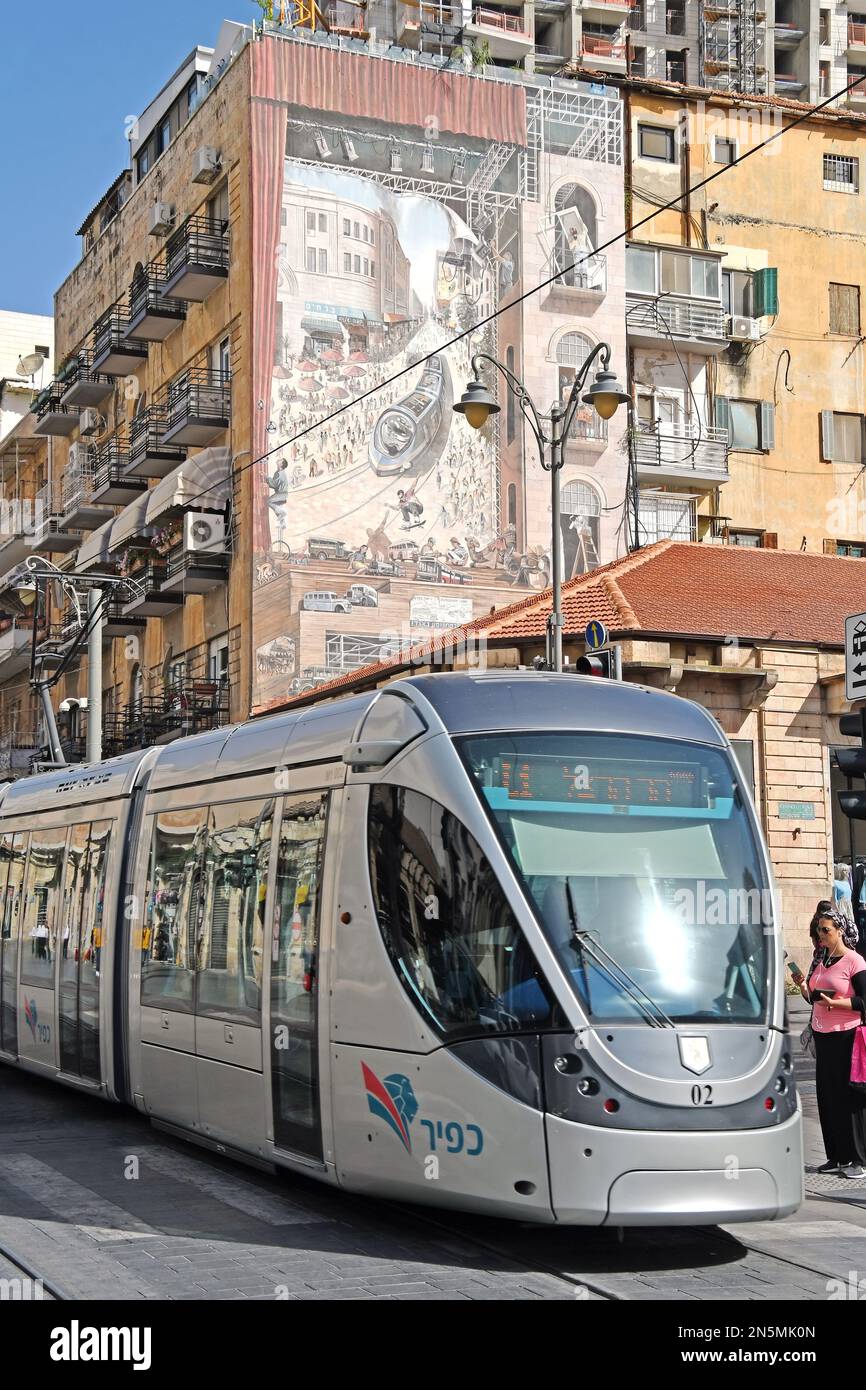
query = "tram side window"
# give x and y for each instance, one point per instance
(173, 908)
(231, 947)
(13, 853)
(296, 910)
(449, 931)
(42, 893)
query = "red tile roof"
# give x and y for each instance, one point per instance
(672, 587)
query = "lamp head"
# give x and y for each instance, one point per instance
(606, 394)
(476, 404)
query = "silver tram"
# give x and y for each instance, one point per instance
(448, 942)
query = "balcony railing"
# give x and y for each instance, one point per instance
(148, 456)
(677, 318)
(683, 447)
(196, 259)
(112, 484)
(194, 571)
(18, 752)
(856, 35)
(150, 601)
(193, 707)
(495, 19)
(81, 384)
(594, 46)
(152, 316)
(583, 272)
(198, 407)
(76, 491)
(113, 353)
(587, 427)
(52, 416)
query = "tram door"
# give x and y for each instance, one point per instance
(13, 853)
(80, 948)
(294, 977)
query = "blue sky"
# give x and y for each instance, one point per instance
(70, 74)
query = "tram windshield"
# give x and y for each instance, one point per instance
(641, 864)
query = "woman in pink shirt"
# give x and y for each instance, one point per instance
(837, 990)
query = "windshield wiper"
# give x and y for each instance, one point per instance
(584, 942)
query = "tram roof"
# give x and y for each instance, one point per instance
(75, 785)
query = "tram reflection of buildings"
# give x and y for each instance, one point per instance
(343, 276)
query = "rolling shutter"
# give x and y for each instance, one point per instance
(827, 435)
(768, 425)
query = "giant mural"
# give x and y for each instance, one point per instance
(388, 233)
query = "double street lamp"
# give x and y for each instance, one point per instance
(605, 394)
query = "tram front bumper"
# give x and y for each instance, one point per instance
(622, 1177)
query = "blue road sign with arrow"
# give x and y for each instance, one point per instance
(595, 634)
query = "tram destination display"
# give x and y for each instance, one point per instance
(603, 781)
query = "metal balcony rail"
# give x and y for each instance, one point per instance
(583, 274)
(511, 23)
(77, 484)
(79, 372)
(859, 90)
(109, 330)
(49, 402)
(588, 425)
(199, 394)
(342, 19)
(856, 33)
(674, 318)
(150, 576)
(110, 461)
(675, 22)
(189, 707)
(198, 241)
(145, 295)
(593, 45)
(685, 446)
(179, 558)
(148, 426)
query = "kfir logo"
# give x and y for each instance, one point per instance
(31, 1015)
(392, 1100)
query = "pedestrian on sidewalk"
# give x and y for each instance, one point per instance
(837, 991)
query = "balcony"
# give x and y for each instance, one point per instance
(191, 707)
(428, 22)
(15, 646)
(857, 95)
(198, 408)
(503, 33)
(787, 82)
(607, 11)
(148, 457)
(194, 571)
(113, 354)
(584, 280)
(588, 431)
(196, 259)
(53, 644)
(18, 753)
(698, 326)
(603, 52)
(82, 385)
(48, 536)
(80, 510)
(52, 416)
(668, 453)
(856, 40)
(150, 601)
(787, 35)
(152, 317)
(116, 624)
(112, 485)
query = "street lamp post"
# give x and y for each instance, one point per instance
(606, 394)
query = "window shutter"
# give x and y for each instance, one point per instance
(722, 415)
(768, 425)
(765, 292)
(827, 435)
(862, 440)
(770, 540)
(830, 547)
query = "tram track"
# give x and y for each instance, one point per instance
(34, 1287)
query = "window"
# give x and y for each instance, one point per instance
(451, 935)
(750, 424)
(218, 207)
(366, 266)
(841, 173)
(823, 80)
(675, 63)
(662, 517)
(750, 539)
(284, 217)
(311, 221)
(684, 274)
(230, 952)
(81, 946)
(173, 907)
(675, 18)
(511, 404)
(572, 351)
(163, 137)
(311, 259)
(373, 270)
(357, 265)
(364, 231)
(357, 230)
(323, 222)
(841, 437)
(845, 310)
(640, 269)
(737, 292)
(855, 550)
(13, 856)
(638, 59)
(657, 142)
(347, 263)
(372, 237)
(724, 150)
(824, 26)
(511, 503)
(218, 658)
(42, 907)
(347, 227)
(323, 261)
(142, 163)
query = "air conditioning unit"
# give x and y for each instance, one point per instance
(160, 219)
(79, 457)
(88, 421)
(743, 330)
(204, 531)
(205, 164)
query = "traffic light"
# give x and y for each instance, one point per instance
(595, 664)
(851, 761)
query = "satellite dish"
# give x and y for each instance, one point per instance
(30, 365)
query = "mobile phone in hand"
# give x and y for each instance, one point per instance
(794, 968)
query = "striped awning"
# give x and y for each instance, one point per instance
(203, 483)
(130, 524)
(95, 551)
(315, 323)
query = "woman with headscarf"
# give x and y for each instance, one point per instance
(837, 991)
